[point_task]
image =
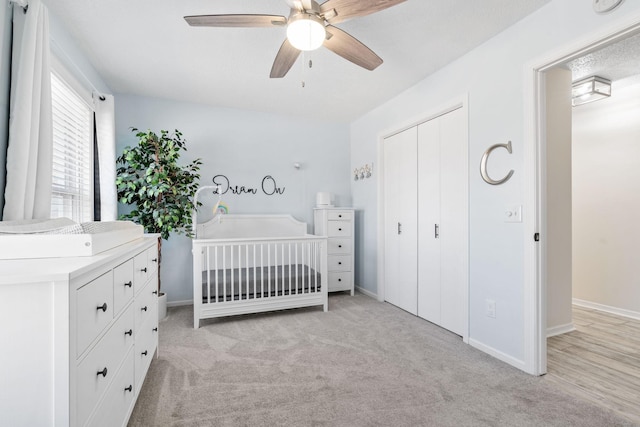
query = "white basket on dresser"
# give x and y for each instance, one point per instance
(78, 335)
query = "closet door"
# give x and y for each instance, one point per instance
(442, 223)
(429, 294)
(400, 220)
(454, 227)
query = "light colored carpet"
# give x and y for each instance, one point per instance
(363, 363)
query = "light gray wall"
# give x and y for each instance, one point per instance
(5, 80)
(606, 185)
(493, 76)
(558, 232)
(245, 146)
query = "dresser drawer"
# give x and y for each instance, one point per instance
(122, 285)
(119, 396)
(141, 271)
(339, 228)
(340, 281)
(339, 215)
(145, 347)
(339, 263)
(146, 304)
(152, 259)
(94, 310)
(339, 246)
(96, 371)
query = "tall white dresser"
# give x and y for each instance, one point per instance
(338, 225)
(77, 336)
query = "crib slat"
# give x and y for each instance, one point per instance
(215, 263)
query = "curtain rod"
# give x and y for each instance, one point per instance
(70, 61)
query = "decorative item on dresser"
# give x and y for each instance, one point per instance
(78, 335)
(338, 225)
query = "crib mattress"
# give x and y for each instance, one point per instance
(259, 282)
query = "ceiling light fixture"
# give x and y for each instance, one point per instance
(306, 31)
(589, 90)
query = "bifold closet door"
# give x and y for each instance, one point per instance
(443, 227)
(400, 220)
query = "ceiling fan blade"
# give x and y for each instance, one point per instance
(347, 9)
(351, 49)
(236, 20)
(285, 59)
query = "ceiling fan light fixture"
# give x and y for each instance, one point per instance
(306, 31)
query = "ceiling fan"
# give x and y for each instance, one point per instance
(309, 26)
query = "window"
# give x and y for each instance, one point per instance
(72, 189)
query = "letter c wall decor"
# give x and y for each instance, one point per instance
(483, 165)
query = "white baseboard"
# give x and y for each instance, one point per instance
(608, 309)
(179, 303)
(560, 329)
(366, 292)
(498, 354)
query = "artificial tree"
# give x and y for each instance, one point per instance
(161, 190)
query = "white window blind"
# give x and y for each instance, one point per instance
(72, 190)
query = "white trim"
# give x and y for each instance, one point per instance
(535, 342)
(459, 102)
(367, 292)
(560, 329)
(607, 309)
(180, 303)
(520, 364)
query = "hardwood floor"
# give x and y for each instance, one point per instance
(600, 361)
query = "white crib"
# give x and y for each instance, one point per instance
(254, 263)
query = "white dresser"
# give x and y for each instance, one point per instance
(338, 225)
(77, 336)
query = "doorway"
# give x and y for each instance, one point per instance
(537, 254)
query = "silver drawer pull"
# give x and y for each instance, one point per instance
(102, 307)
(103, 372)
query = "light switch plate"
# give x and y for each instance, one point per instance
(513, 213)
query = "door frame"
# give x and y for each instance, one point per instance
(459, 102)
(535, 209)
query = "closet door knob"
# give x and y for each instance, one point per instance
(128, 284)
(129, 389)
(155, 329)
(144, 308)
(103, 372)
(102, 307)
(155, 292)
(129, 332)
(154, 260)
(144, 353)
(339, 246)
(144, 270)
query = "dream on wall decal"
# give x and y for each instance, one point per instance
(268, 186)
(485, 159)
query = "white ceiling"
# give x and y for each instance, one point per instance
(144, 47)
